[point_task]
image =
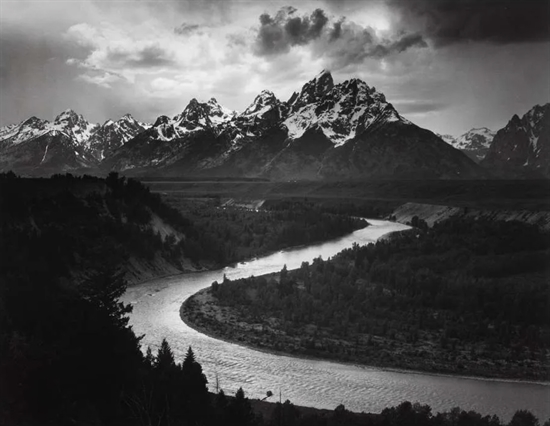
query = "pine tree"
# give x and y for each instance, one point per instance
(189, 360)
(195, 392)
(165, 357)
(104, 289)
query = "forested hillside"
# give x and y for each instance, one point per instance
(465, 296)
(72, 223)
(231, 233)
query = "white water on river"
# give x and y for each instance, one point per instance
(320, 384)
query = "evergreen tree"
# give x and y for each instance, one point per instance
(165, 357)
(195, 392)
(104, 289)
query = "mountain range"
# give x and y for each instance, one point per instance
(324, 131)
(474, 143)
(70, 142)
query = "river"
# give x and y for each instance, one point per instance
(320, 384)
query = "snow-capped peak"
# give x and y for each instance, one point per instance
(196, 116)
(87, 138)
(219, 114)
(341, 112)
(66, 115)
(475, 139)
(312, 91)
(161, 120)
(75, 126)
(262, 103)
(475, 142)
(323, 81)
(207, 114)
(27, 129)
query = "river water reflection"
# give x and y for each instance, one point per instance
(319, 384)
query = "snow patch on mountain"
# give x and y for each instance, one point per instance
(475, 138)
(475, 143)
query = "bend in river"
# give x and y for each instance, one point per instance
(320, 384)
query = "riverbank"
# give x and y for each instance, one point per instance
(202, 313)
(142, 272)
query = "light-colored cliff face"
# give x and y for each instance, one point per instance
(432, 213)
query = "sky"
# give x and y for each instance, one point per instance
(446, 65)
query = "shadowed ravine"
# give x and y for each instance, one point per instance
(319, 384)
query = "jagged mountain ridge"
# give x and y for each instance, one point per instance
(113, 134)
(474, 143)
(324, 131)
(49, 152)
(523, 145)
(348, 130)
(171, 139)
(67, 143)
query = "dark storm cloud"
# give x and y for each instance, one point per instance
(397, 46)
(496, 21)
(279, 33)
(342, 40)
(336, 30)
(147, 57)
(349, 44)
(185, 28)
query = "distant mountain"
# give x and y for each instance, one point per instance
(349, 130)
(522, 147)
(70, 142)
(324, 131)
(474, 143)
(188, 136)
(113, 134)
(44, 154)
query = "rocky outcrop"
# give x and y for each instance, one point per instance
(522, 148)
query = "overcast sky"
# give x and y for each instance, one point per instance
(445, 65)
